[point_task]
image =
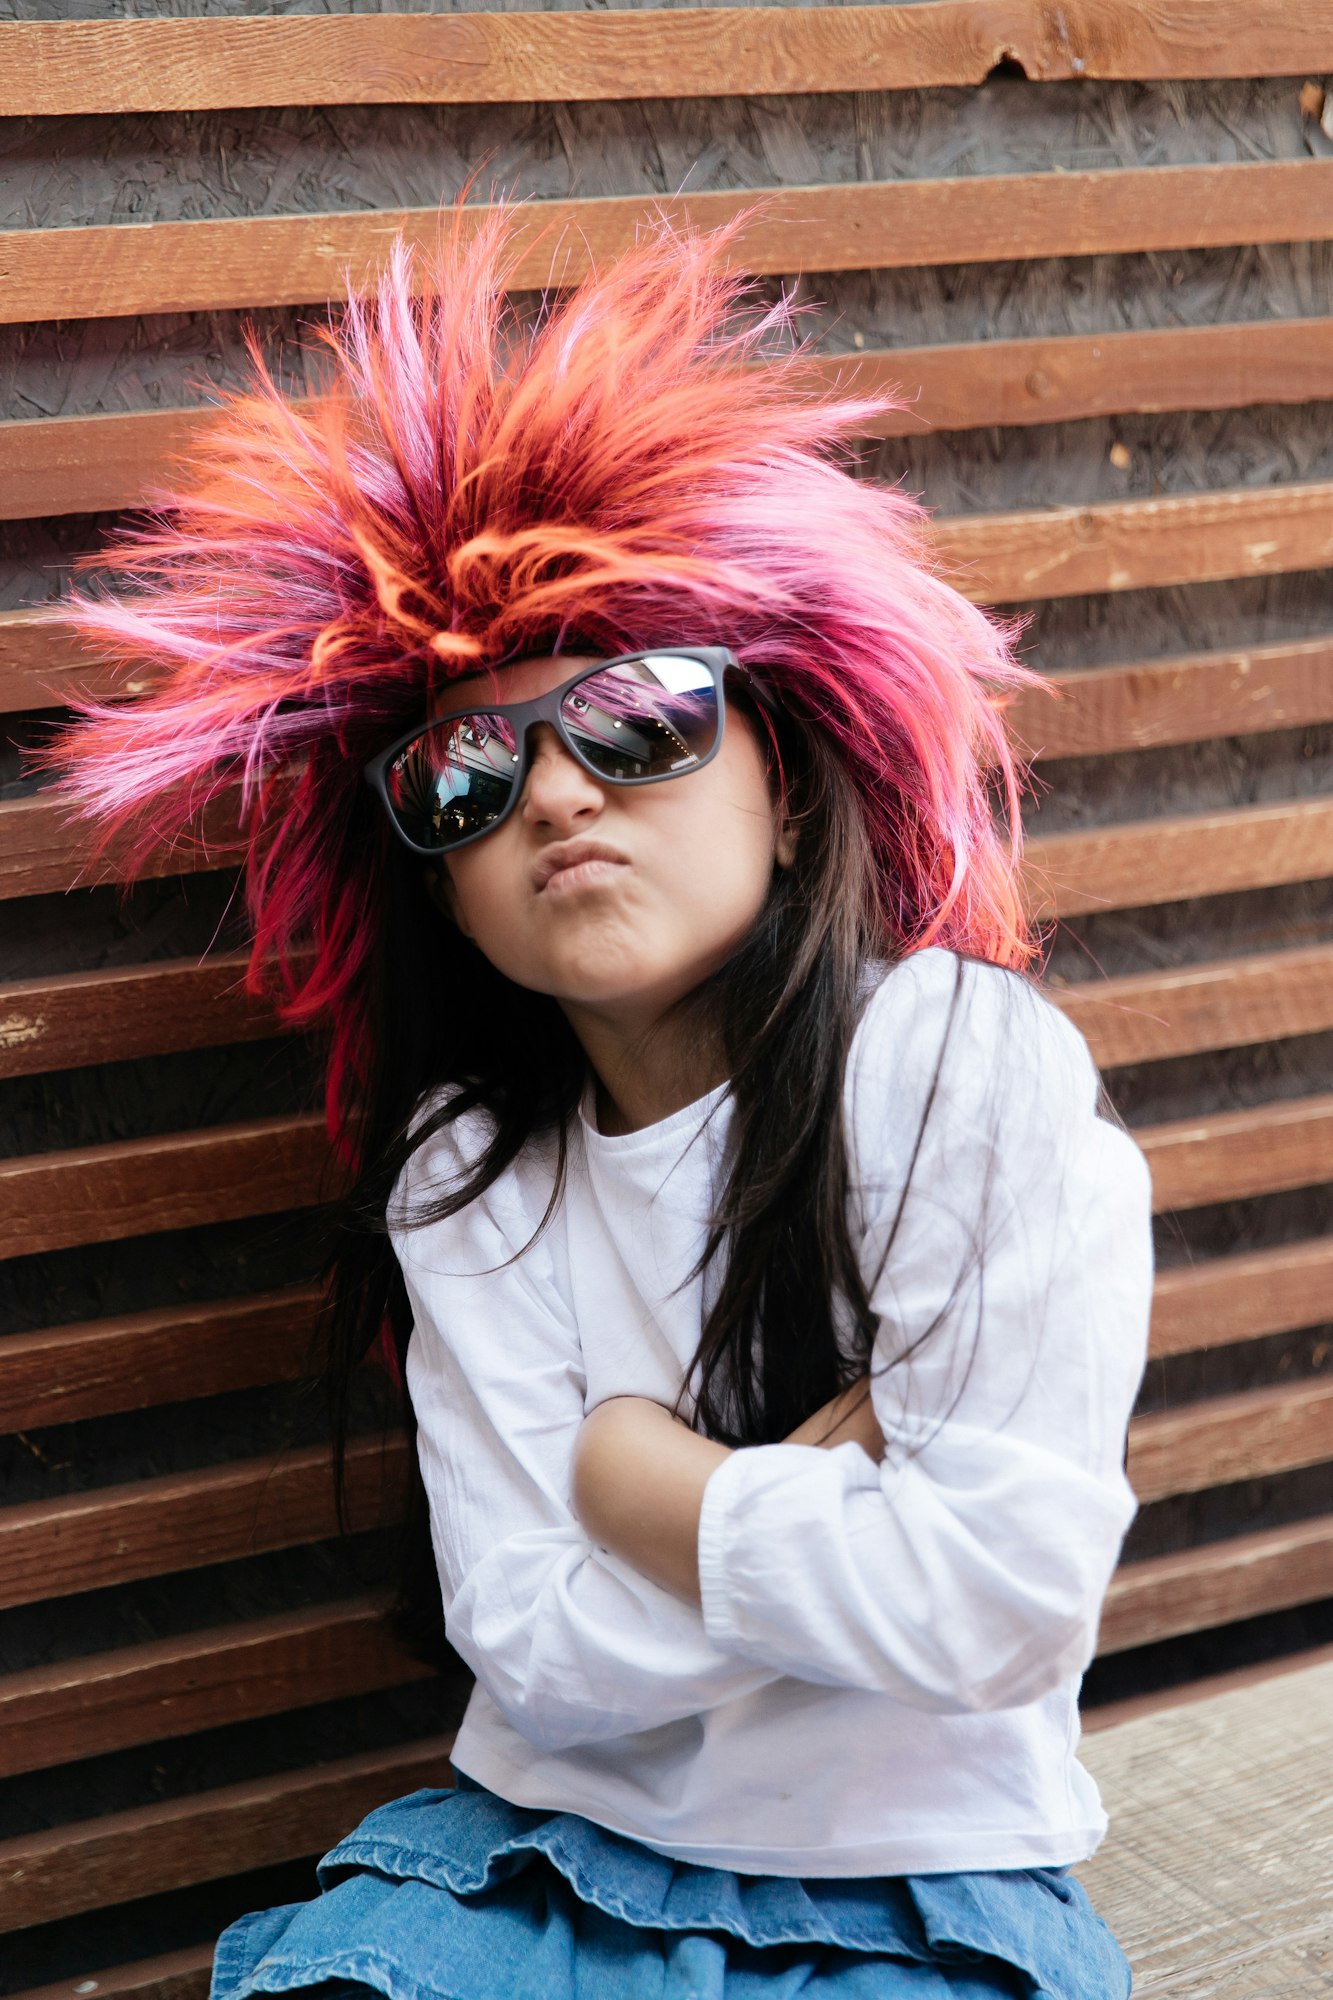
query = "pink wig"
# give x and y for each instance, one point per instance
(467, 489)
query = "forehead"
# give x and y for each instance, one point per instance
(517, 680)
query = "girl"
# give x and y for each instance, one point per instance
(769, 1290)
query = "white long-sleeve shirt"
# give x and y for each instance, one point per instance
(883, 1676)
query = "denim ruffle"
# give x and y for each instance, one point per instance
(458, 1895)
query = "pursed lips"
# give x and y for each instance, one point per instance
(571, 863)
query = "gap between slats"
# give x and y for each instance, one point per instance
(95, 464)
(231, 264)
(96, 67)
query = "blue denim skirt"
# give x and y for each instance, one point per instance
(458, 1895)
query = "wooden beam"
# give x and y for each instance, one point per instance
(1110, 1714)
(1223, 1004)
(135, 1187)
(43, 665)
(1137, 544)
(1099, 711)
(1243, 1297)
(1229, 1155)
(186, 1520)
(81, 465)
(234, 263)
(133, 1361)
(1243, 1576)
(76, 67)
(200, 1680)
(135, 1010)
(1224, 1439)
(45, 850)
(45, 1877)
(175, 1975)
(1147, 862)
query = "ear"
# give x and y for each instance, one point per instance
(440, 889)
(784, 848)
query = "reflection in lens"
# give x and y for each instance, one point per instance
(647, 718)
(454, 779)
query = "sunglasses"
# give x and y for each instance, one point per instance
(633, 720)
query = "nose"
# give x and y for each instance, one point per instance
(557, 792)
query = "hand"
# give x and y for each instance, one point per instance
(848, 1419)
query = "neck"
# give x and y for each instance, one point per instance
(645, 1070)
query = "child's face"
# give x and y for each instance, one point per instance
(653, 885)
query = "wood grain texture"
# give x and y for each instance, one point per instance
(1137, 544)
(42, 664)
(1228, 1438)
(47, 1876)
(102, 1194)
(230, 264)
(1226, 1155)
(1222, 1004)
(1217, 1874)
(1243, 1576)
(150, 1527)
(135, 1361)
(144, 1694)
(175, 1975)
(1243, 1296)
(73, 465)
(1103, 710)
(137, 1010)
(60, 68)
(45, 851)
(1146, 862)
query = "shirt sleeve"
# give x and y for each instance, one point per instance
(571, 1643)
(1004, 1229)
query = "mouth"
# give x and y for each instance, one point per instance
(576, 864)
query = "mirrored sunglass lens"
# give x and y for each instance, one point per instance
(653, 717)
(454, 780)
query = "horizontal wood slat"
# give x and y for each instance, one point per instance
(149, 1527)
(81, 465)
(1243, 1576)
(1228, 1155)
(234, 263)
(102, 1194)
(1137, 544)
(47, 1876)
(1228, 1438)
(1148, 1016)
(45, 851)
(130, 1011)
(42, 664)
(203, 1680)
(135, 1361)
(176, 1975)
(57, 69)
(1102, 710)
(1165, 860)
(1243, 1297)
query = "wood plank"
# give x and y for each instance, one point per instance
(43, 665)
(134, 1361)
(1137, 544)
(1242, 1576)
(73, 465)
(1110, 1714)
(176, 1975)
(1217, 1874)
(1228, 1155)
(1165, 860)
(130, 1011)
(202, 1680)
(1251, 1435)
(150, 1527)
(45, 851)
(135, 1187)
(1243, 1297)
(67, 67)
(47, 1876)
(234, 263)
(1102, 710)
(1220, 1004)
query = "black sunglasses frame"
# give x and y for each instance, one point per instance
(719, 661)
